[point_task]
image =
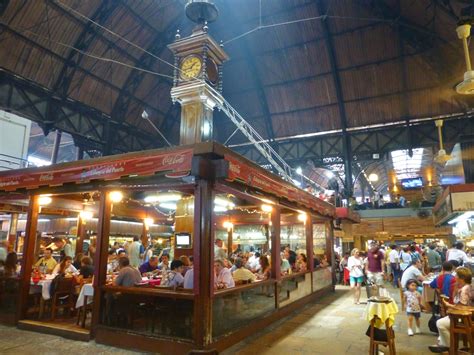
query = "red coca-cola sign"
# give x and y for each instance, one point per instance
(252, 176)
(175, 163)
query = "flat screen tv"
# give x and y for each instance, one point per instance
(183, 240)
(412, 183)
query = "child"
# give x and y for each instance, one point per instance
(413, 302)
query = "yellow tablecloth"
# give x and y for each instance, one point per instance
(383, 311)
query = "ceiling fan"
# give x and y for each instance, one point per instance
(441, 157)
(466, 87)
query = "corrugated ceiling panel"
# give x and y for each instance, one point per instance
(371, 81)
(300, 95)
(365, 46)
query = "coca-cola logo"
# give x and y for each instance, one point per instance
(234, 168)
(46, 177)
(172, 159)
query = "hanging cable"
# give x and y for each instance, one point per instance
(104, 59)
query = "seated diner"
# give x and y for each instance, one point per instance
(174, 277)
(46, 264)
(223, 277)
(242, 274)
(128, 276)
(150, 266)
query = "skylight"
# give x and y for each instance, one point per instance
(404, 166)
(35, 161)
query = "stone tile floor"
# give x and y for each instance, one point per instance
(332, 325)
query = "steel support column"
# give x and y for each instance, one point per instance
(346, 142)
(57, 143)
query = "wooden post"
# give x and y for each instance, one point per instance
(101, 254)
(81, 232)
(330, 249)
(144, 237)
(267, 238)
(230, 237)
(276, 245)
(12, 228)
(203, 253)
(28, 254)
(309, 242)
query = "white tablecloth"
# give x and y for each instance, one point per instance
(86, 290)
(43, 287)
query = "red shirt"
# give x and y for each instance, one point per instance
(375, 261)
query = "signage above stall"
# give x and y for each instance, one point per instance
(251, 176)
(175, 162)
(348, 214)
(455, 199)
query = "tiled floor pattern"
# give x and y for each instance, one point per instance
(332, 325)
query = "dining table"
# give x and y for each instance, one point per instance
(84, 299)
(43, 287)
(428, 293)
(383, 310)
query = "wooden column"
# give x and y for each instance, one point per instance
(101, 254)
(144, 236)
(230, 237)
(276, 245)
(81, 232)
(309, 241)
(12, 228)
(203, 253)
(330, 249)
(267, 238)
(28, 254)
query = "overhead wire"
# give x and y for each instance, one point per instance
(87, 54)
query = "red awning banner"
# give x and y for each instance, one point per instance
(113, 168)
(251, 176)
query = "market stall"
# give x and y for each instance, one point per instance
(194, 195)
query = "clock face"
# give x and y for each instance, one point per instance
(190, 67)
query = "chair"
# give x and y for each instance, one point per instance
(460, 325)
(63, 296)
(387, 341)
(442, 301)
(402, 297)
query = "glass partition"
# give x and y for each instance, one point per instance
(293, 287)
(293, 241)
(63, 257)
(238, 307)
(9, 268)
(242, 240)
(321, 259)
(149, 311)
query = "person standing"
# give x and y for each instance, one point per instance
(457, 254)
(405, 259)
(355, 266)
(374, 268)
(136, 251)
(413, 302)
(219, 252)
(434, 259)
(394, 259)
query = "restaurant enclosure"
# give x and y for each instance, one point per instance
(196, 194)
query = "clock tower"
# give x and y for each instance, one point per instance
(198, 61)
